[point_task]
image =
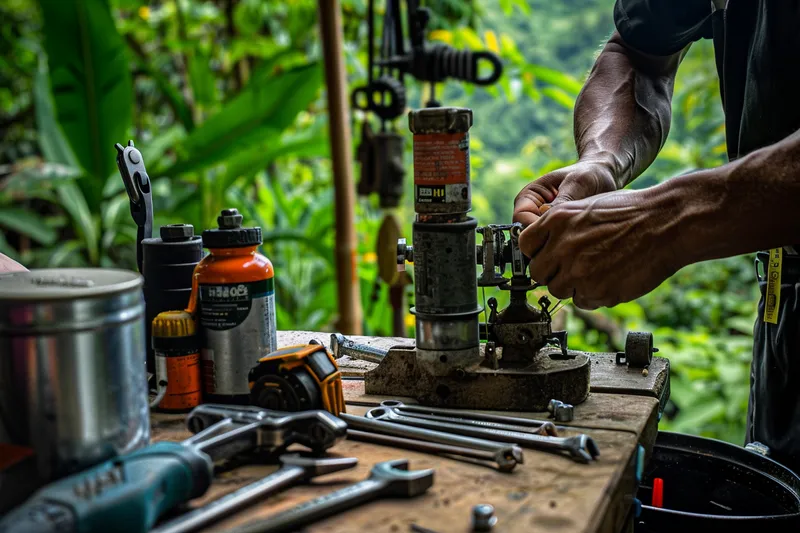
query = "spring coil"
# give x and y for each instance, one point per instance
(441, 61)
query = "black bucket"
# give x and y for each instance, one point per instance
(710, 485)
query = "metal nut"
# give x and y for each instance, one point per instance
(483, 517)
(564, 413)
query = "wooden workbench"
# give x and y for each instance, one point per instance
(548, 493)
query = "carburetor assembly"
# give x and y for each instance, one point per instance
(523, 363)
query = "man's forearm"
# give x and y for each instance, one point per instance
(623, 113)
(748, 205)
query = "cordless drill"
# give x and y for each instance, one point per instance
(130, 493)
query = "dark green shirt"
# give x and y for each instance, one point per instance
(757, 46)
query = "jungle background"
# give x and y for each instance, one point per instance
(225, 98)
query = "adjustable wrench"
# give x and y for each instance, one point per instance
(580, 447)
(458, 417)
(390, 479)
(505, 455)
(317, 430)
(294, 469)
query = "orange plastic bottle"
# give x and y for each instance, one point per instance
(233, 297)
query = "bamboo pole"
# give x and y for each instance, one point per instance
(348, 291)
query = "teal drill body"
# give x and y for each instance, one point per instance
(126, 495)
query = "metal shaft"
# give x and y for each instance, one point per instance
(428, 447)
(546, 428)
(459, 413)
(227, 505)
(505, 451)
(324, 506)
(581, 447)
(341, 345)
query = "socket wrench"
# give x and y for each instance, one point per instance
(580, 447)
(294, 469)
(505, 455)
(341, 345)
(391, 479)
(462, 417)
(428, 447)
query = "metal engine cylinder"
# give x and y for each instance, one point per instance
(445, 273)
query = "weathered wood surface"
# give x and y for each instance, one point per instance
(606, 374)
(546, 494)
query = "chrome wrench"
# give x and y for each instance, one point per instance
(460, 417)
(294, 469)
(503, 419)
(580, 447)
(505, 455)
(390, 479)
(429, 447)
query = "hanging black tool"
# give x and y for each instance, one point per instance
(384, 96)
(137, 183)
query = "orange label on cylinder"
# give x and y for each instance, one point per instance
(183, 383)
(441, 158)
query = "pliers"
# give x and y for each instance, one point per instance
(137, 184)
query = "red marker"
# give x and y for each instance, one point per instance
(658, 492)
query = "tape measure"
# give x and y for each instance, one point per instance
(297, 378)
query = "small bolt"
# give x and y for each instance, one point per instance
(483, 518)
(564, 413)
(551, 407)
(133, 156)
(645, 372)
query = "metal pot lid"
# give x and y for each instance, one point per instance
(67, 283)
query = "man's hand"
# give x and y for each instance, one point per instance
(606, 249)
(575, 182)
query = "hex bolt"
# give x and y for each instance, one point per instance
(564, 413)
(483, 517)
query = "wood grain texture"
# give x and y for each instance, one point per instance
(548, 493)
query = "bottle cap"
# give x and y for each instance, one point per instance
(230, 233)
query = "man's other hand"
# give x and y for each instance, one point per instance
(607, 249)
(9, 265)
(575, 182)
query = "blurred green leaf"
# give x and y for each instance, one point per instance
(559, 80)
(74, 203)
(26, 223)
(90, 82)
(265, 108)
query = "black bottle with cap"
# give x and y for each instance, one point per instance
(167, 266)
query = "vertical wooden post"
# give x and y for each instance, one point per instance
(330, 22)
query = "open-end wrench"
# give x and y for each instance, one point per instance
(505, 455)
(341, 345)
(294, 469)
(580, 447)
(455, 413)
(429, 447)
(390, 479)
(262, 429)
(462, 417)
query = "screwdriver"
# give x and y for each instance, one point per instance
(129, 494)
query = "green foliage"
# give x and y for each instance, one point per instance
(224, 98)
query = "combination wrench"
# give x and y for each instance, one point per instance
(505, 455)
(390, 479)
(541, 427)
(294, 469)
(429, 447)
(581, 448)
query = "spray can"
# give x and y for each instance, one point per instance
(233, 297)
(177, 358)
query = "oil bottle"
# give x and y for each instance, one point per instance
(233, 297)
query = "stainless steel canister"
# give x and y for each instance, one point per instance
(73, 383)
